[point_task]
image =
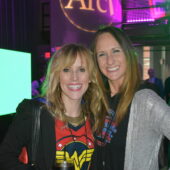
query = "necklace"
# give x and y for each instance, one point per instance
(75, 121)
(74, 140)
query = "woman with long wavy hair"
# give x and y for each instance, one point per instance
(141, 118)
(73, 111)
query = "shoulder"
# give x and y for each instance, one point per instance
(147, 103)
(145, 92)
(156, 78)
(147, 97)
(26, 107)
(151, 86)
(28, 104)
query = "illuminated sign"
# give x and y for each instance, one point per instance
(15, 73)
(159, 10)
(87, 15)
(155, 10)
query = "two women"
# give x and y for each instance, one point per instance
(74, 109)
(141, 117)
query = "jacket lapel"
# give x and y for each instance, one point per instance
(48, 138)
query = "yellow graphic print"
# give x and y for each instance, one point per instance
(78, 160)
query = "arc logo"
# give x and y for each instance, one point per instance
(87, 15)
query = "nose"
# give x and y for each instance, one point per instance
(74, 76)
(110, 59)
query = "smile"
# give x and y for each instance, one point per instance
(74, 87)
(113, 68)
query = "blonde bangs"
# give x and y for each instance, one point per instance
(89, 62)
(94, 104)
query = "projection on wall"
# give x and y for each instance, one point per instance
(87, 15)
(77, 20)
(15, 73)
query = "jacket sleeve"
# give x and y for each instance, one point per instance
(160, 114)
(18, 136)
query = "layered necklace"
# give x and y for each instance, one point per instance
(80, 121)
(75, 121)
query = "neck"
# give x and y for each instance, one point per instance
(114, 87)
(75, 121)
(74, 114)
(73, 108)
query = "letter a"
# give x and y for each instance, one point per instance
(70, 4)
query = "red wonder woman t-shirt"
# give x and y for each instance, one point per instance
(74, 143)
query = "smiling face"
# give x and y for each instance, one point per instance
(74, 80)
(111, 58)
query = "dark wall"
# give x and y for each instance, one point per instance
(5, 122)
(20, 28)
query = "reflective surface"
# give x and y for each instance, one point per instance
(64, 166)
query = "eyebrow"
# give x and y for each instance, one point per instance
(117, 47)
(111, 48)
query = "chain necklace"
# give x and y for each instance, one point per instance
(74, 140)
(75, 121)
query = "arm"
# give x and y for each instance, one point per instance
(17, 136)
(160, 115)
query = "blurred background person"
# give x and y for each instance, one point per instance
(156, 81)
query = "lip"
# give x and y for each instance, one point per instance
(74, 87)
(112, 69)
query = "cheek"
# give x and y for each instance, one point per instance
(85, 80)
(61, 84)
(124, 64)
(63, 80)
(101, 63)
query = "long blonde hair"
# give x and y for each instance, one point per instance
(132, 75)
(94, 104)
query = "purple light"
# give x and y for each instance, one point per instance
(157, 12)
(148, 12)
(140, 20)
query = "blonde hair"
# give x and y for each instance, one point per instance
(132, 75)
(94, 104)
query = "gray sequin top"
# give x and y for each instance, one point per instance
(149, 121)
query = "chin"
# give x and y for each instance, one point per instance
(75, 97)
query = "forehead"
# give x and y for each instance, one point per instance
(106, 41)
(79, 61)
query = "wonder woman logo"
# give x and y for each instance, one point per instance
(78, 160)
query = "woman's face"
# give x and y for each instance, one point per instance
(111, 58)
(74, 80)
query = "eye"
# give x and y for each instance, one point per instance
(82, 69)
(66, 70)
(101, 54)
(116, 50)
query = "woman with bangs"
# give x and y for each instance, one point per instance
(74, 110)
(131, 138)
